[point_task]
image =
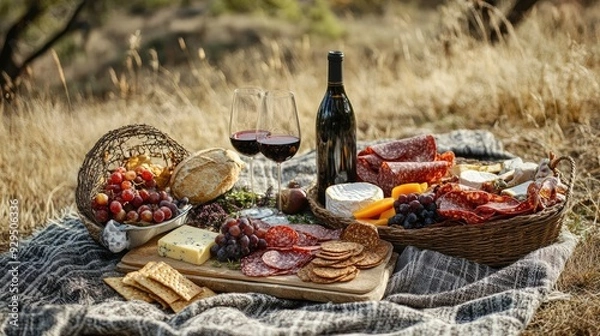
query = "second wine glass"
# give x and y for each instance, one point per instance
(278, 130)
(245, 108)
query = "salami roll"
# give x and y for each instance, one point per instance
(286, 260)
(392, 174)
(281, 236)
(419, 148)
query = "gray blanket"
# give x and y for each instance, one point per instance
(58, 273)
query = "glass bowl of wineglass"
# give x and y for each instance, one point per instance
(278, 130)
(245, 107)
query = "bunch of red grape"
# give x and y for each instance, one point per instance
(414, 211)
(132, 196)
(238, 238)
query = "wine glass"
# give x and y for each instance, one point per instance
(245, 108)
(278, 130)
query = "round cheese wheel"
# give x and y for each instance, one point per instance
(343, 199)
(206, 175)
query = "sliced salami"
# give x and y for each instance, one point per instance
(318, 231)
(286, 260)
(252, 265)
(305, 239)
(392, 174)
(477, 206)
(281, 236)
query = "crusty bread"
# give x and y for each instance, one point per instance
(206, 175)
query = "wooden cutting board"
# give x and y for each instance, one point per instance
(369, 285)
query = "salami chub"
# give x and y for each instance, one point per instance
(403, 161)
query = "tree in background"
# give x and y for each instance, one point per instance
(13, 60)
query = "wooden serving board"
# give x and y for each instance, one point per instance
(369, 285)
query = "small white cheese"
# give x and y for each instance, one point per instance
(475, 179)
(343, 199)
(187, 243)
(518, 192)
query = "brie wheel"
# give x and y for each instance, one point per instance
(343, 199)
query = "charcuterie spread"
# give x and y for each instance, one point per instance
(404, 184)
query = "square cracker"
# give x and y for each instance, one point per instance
(180, 304)
(154, 287)
(126, 291)
(171, 278)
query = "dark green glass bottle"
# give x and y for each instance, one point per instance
(335, 132)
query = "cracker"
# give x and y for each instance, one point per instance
(180, 304)
(321, 280)
(162, 302)
(375, 256)
(304, 272)
(338, 246)
(331, 273)
(333, 256)
(363, 233)
(126, 291)
(174, 280)
(348, 262)
(154, 287)
(349, 276)
(128, 280)
(318, 261)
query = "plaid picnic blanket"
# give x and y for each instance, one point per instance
(53, 286)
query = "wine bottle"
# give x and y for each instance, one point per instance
(335, 132)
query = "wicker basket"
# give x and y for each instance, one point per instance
(496, 243)
(111, 151)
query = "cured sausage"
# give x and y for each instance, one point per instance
(419, 148)
(392, 174)
(403, 161)
(286, 260)
(364, 171)
(252, 265)
(320, 232)
(281, 236)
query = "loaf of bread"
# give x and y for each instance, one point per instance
(206, 175)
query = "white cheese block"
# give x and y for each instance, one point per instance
(518, 191)
(343, 199)
(475, 179)
(187, 243)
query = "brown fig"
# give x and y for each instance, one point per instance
(293, 200)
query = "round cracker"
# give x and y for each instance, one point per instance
(331, 273)
(338, 246)
(363, 233)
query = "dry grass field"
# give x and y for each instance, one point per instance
(408, 71)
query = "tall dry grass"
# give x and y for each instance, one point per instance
(406, 72)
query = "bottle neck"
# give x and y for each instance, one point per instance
(334, 77)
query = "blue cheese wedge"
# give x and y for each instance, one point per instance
(187, 243)
(343, 199)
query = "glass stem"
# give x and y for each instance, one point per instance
(279, 187)
(252, 194)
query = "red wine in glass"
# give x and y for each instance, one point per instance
(279, 148)
(245, 142)
(245, 108)
(279, 117)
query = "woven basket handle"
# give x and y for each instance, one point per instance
(554, 162)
